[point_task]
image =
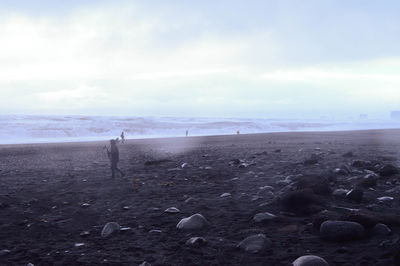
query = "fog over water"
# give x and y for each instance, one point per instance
(37, 129)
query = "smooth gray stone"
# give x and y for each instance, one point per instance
(310, 260)
(109, 229)
(194, 222)
(341, 230)
(263, 217)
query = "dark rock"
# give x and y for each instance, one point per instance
(388, 170)
(156, 162)
(348, 154)
(356, 195)
(363, 164)
(341, 230)
(312, 160)
(301, 202)
(368, 220)
(367, 181)
(4, 252)
(381, 230)
(278, 150)
(264, 217)
(319, 185)
(340, 192)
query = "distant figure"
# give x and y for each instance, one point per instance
(237, 132)
(122, 137)
(113, 155)
(187, 132)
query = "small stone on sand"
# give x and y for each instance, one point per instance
(196, 241)
(172, 210)
(110, 228)
(225, 195)
(310, 260)
(264, 217)
(194, 222)
(341, 230)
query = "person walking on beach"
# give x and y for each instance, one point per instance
(187, 132)
(122, 137)
(113, 155)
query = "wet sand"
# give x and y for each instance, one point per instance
(51, 193)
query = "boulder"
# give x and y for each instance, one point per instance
(301, 202)
(196, 241)
(341, 230)
(388, 170)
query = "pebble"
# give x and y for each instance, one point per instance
(381, 230)
(79, 244)
(225, 195)
(184, 165)
(172, 210)
(125, 208)
(4, 252)
(85, 234)
(155, 231)
(109, 229)
(254, 243)
(341, 230)
(388, 170)
(188, 200)
(263, 217)
(356, 195)
(85, 205)
(340, 192)
(194, 222)
(125, 229)
(145, 263)
(385, 199)
(196, 241)
(310, 260)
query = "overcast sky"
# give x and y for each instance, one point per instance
(200, 58)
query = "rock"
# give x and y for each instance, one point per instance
(109, 229)
(313, 159)
(4, 252)
(190, 199)
(155, 231)
(85, 205)
(355, 194)
(348, 154)
(79, 245)
(301, 202)
(172, 210)
(340, 192)
(266, 188)
(385, 199)
(278, 150)
(388, 170)
(125, 208)
(394, 190)
(367, 181)
(341, 230)
(156, 162)
(254, 243)
(194, 222)
(319, 185)
(85, 234)
(236, 161)
(264, 193)
(125, 229)
(340, 171)
(184, 165)
(381, 230)
(264, 217)
(196, 241)
(224, 195)
(310, 260)
(145, 263)
(363, 164)
(30, 264)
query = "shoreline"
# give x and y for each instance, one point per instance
(196, 136)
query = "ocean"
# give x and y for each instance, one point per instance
(15, 129)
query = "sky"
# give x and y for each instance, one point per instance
(262, 59)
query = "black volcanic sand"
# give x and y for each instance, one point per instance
(43, 187)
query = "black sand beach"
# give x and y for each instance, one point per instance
(51, 193)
